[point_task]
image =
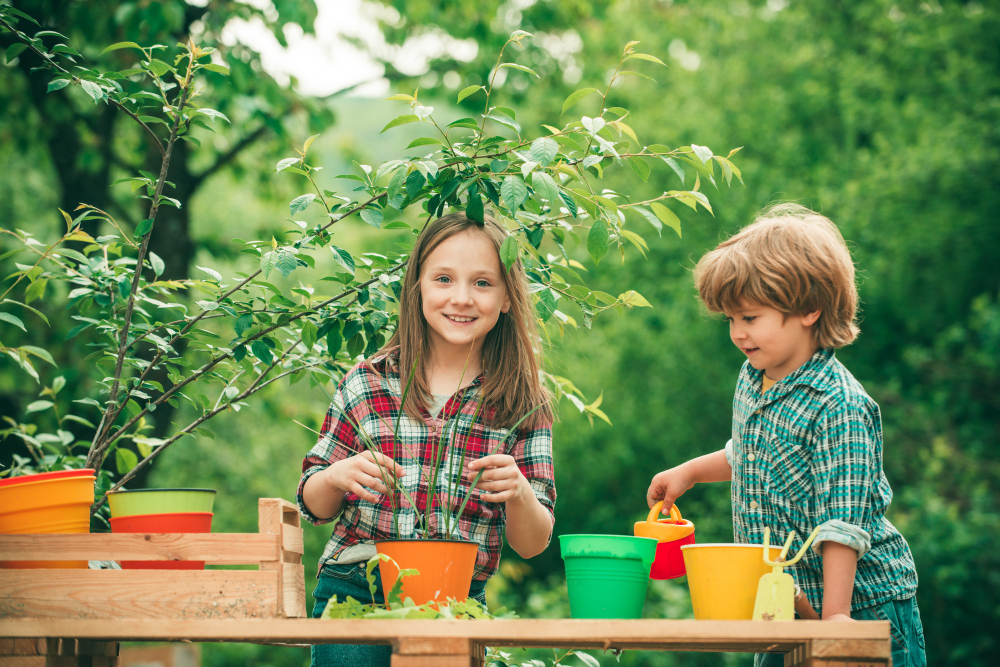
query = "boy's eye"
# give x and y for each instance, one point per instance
(749, 318)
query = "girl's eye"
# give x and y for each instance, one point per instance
(442, 279)
(482, 283)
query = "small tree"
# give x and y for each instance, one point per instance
(246, 333)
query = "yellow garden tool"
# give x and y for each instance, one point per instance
(776, 590)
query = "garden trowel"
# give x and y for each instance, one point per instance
(776, 590)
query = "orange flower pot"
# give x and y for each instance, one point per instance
(174, 522)
(49, 502)
(445, 568)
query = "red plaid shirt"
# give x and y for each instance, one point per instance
(373, 401)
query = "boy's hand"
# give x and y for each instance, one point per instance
(361, 472)
(502, 480)
(838, 617)
(668, 486)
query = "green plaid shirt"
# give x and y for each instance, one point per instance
(808, 453)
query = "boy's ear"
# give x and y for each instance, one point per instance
(810, 319)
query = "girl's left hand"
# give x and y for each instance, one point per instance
(502, 480)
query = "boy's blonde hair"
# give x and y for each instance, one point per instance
(791, 259)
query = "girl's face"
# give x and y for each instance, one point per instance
(462, 291)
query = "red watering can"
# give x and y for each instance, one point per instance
(671, 534)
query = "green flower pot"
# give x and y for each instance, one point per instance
(607, 575)
(160, 501)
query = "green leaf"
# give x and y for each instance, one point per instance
(92, 89)
(400, 120)
(414, 184)
(372, 216)
(125, 460)
(640, 167)
(544, 150)
(628, 72)
(465, 122)
(36, 290)
(144, 227)
(634, 299)
(519, 67)
(334, 340)
(157, 263)
(648, 215)
(218, 69)
(121, 45)
(504, 120)
(16, 321)
(597, 241)
(261, 350)
(343, 258)
(510, 249)
(587, 659)
(309, 331)
(40, 353)
(703, 152)
(396, 184)
(267, 262)
(645, 56)
(676, 166)
(545, 187)
(514, 192)
(243, 324)
(668, 217)
(575, 97)
(286, 262)
(57, 84)
(158, 67)
(469, 90)
(424, 141)
(286, 163)
(38, 406)
(474, 210)
(570, 203)
(14, 50)
(213, 114)
(300, 203)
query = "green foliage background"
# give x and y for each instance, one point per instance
(882, 115)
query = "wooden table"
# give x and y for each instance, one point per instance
(439, 643)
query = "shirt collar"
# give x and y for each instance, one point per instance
(813, 373)
(387, 365)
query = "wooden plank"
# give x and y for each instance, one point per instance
(293, 591)
(425, 646)
(210, 547)
(431, 660)
(134, 594)
(662, 634)
(22, 661)
(850, 648)
(292, 543)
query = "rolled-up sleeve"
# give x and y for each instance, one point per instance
(843, 471)
(532, 451)
(337, 441)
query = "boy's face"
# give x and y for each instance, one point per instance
(773, 342)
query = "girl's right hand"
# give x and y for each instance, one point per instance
(668, 486)
(361, 472)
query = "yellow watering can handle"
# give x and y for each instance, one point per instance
(675, 513)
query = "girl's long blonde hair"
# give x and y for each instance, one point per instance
(512, 349)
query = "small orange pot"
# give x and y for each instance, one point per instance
(175, 522)
(445, 568)
(671, 534)
(49, 502)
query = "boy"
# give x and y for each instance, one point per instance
(806, 447)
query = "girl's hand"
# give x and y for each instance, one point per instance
(668, 486)
(356, 473)
(502, 480)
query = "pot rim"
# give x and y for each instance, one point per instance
(421, 539)
(114, 493)
(46, 476)
(725, 544)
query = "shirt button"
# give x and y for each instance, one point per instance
(751, 457)
(753, 504)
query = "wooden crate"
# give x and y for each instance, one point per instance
(276, 589)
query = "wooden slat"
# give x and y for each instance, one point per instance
(134, 594)
(210, 547)
(829, 649)
(711, 635)
(293, 591)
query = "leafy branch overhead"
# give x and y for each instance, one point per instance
(309, 307)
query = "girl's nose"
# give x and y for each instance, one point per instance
(462, 294)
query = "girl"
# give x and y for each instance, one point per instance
(464, 321)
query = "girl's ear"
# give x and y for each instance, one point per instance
(506, 304)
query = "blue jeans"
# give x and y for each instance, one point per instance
(906, 630)
(344, 580)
